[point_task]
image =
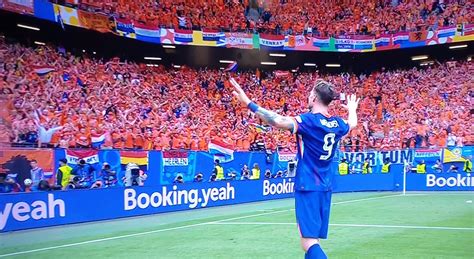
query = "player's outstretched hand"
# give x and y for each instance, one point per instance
(352, 103)
(239, 93)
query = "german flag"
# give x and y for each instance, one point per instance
(138, 157)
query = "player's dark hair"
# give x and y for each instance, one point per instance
(325, 92)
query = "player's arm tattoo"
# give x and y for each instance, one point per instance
(275, 119)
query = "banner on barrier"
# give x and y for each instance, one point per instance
(285, 157)
(212, 35)
(18, 6)
(448, 31)
(148, 33)
(383, 41)
(321, 42)
(94, 21)
(66, 14)
(175, 158)
(354, 42)
(453, 156)
(272, 41)
(89, 156)
(295, 41)
(418, 35)
(377, 157)
(139, 158)
(44, 10)
(124, 27)
(206, 37)
(183, 36)
(401, 38)
(468, 29)
(428, 155)
(239, 40)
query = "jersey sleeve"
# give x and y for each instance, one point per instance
(302, 124)
(343, 127)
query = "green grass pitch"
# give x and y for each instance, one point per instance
(363, 225)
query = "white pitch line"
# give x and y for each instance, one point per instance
(252, 223)
(395, 226)
(368, 199)
(344, 225)
(173, 228)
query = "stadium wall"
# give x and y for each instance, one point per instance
(19, 211)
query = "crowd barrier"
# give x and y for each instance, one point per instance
(20, 211)
(61, 14)
(162, 167)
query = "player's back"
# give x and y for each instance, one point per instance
(317, 137)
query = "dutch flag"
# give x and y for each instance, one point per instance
(43, 70)
(222, 151)
(98, 140)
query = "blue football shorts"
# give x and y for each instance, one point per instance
(312, 213)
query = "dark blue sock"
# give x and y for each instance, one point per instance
(315, 252)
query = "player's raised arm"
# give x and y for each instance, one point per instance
(270, 117)
(351, 106)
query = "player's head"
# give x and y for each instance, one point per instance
(322, 94)
(62, 162)
(34, 163)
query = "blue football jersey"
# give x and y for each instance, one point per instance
(317, 136)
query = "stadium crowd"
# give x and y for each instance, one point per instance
(133, 106)
(292, 16)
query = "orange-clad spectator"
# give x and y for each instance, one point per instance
(176, 142)
(139, 141)
(239, 144)
(442, 138)
(194, 144)
(157, 143)
(165, 142)
(55, 138)
(83, 138)
(118, 140)
(175, 106)
(148, 141)
(246, 144)
(129, 140)
(202, 145)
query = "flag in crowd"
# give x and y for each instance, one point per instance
(43, 70)
(232, 67)
(221, 150)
